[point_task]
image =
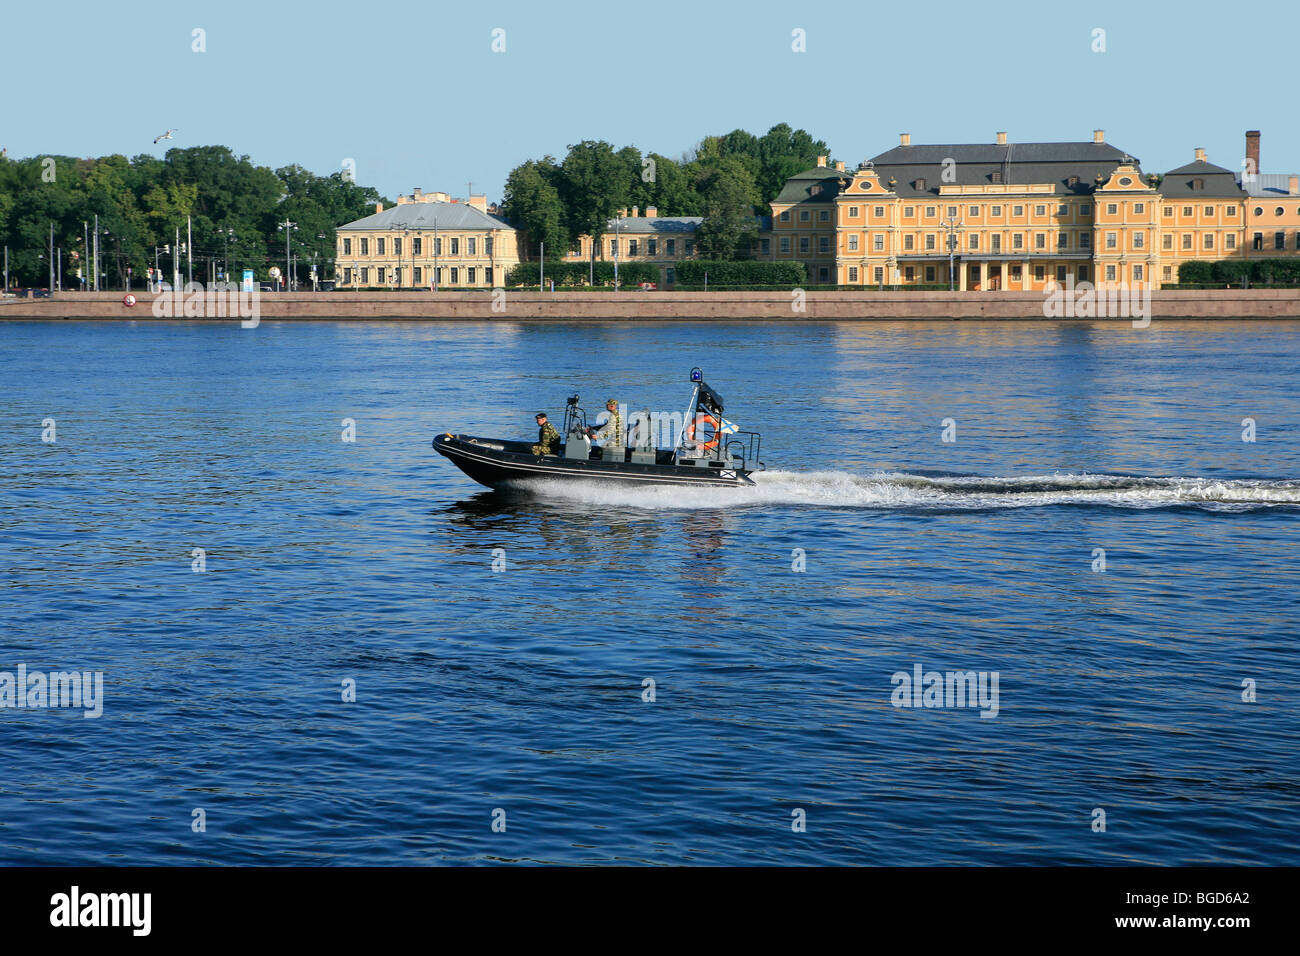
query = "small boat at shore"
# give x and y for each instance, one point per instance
(708, 450)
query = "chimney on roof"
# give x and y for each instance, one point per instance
(635, 211)
(839, 164)
(477, 202)
(651, 212)
(1293, 186)
(821, 161)
(904, 139)
(1200, 154)
(379, 207)
(1002, 139)
(417, 193)
(1099, 136)
(1252, 152)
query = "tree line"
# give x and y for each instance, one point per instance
(727, 180)
(236, 210)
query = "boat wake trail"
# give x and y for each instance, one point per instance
(897, 490)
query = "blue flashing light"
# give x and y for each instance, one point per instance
(697, 375)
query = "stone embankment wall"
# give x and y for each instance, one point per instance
(635, 304)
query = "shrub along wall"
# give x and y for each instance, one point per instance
(578, 273)
(1236, 271)
(741, 273)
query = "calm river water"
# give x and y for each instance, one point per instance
(1097, 537)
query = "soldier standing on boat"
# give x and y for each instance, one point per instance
(611, 433)
(547, 436)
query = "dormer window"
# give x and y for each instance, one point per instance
(1072, 181)
(1198, 183)
(996, 176)
(815, 190)
(920, 185)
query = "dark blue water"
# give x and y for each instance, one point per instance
(521, 690)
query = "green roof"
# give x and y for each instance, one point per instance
(800, 187)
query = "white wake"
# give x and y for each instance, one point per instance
(897, 490)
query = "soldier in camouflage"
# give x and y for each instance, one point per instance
(611, 433)
(548, 438)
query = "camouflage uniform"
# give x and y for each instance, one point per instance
(611, 433)
(547, 438)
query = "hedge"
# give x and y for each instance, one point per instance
(1237, 272)
(740, 273)
(819, 287)
(578, 273)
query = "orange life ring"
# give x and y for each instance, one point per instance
(704, 418)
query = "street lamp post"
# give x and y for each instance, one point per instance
(419, 237)
(315, 280)
(227, 234)
(106, 234)
(405, 230)
(952, 224)
(617, 222)
(287, 228)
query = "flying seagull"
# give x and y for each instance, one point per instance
(166, 135)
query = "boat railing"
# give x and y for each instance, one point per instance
(746, 446)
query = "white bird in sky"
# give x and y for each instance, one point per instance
(166, 135)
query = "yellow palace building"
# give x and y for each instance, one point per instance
(988, 216)
(426, 241)
(1021, 216)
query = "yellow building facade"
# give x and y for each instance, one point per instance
(1023, 216)
(1272, 206)
(635, 235)
(426, 241)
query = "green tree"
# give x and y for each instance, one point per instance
(729, 227)
(595, 187)
(672, 190)
(532, 203)
(782, 152)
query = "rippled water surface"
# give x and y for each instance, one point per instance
(523, 690)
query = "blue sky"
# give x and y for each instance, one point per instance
(427, 102)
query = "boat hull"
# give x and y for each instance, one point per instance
(502, 464)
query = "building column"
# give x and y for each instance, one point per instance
(961, 276)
